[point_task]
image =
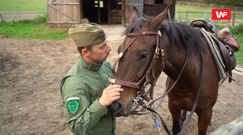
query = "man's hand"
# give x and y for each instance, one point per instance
(110, 94)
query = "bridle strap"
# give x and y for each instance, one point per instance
(175, 82)
(120, 55)
(137, 84)
(146, 33)
(127, 83)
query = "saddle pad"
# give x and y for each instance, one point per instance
(216, 54)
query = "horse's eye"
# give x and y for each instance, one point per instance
(143, 55)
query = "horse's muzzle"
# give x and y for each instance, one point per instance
(117, 109)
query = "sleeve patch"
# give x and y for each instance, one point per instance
(73, 104)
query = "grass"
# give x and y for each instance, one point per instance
(35, 28)
(239, 54)
(23, 5)
(32, 29)
(183, 8)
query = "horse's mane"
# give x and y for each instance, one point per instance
(178, 33)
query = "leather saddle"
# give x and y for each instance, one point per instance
(226, 43)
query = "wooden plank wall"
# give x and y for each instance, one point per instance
(148, 1)
(63, 13)
(115, 16)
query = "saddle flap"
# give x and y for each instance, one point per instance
(228, 56)
(229, 39)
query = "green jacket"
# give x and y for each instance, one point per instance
(80, 90)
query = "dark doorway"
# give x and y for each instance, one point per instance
(96, 10)
(159, 1)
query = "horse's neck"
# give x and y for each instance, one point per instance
(175, 58)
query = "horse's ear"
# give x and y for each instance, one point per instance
(157, 20)
(134, 15)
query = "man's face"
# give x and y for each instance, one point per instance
(100, 52)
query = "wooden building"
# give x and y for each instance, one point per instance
(64, 13)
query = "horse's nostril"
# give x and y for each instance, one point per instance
(116, 108)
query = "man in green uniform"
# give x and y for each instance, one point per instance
(85, 89)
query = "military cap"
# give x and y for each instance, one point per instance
(86, 34)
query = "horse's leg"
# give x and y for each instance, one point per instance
(183, 117)
(176, 115)
(204, 118)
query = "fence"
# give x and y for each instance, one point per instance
(205, 5)
(188, 16)
(13, 16)
(198, 10)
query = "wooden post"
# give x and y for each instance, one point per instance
(205, 15)
(172, 4)
(234, 16)
(1, 17)
(187, 14)
(129, 5)
(123, 12)
(16, 14)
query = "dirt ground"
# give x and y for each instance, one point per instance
(30, 102)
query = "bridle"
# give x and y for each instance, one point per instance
(149, 78)
(158, 50)
(144, 99)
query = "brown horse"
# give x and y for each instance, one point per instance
(155, 45)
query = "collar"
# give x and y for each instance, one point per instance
(89, 66)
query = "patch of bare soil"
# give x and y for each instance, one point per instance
(30, 102)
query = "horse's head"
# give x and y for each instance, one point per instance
(136, 55)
